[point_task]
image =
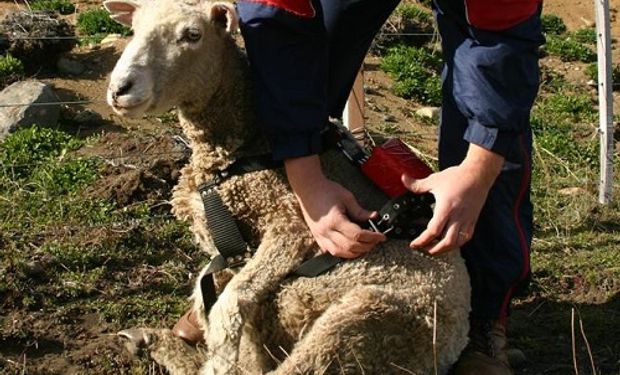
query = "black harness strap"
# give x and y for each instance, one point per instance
(232, 248)
(320, 264)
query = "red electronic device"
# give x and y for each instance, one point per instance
(388, 162)
(405, 214)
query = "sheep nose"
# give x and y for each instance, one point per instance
(122, 90)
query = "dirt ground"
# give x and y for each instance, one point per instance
(75, 343)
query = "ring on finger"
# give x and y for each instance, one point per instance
(464, 235)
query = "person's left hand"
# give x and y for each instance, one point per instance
(460, 192)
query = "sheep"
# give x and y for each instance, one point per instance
(374, 314)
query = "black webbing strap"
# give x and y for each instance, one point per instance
(232, 248)
(207, 284)
(222, 226)
(226, 237)
(252, 164)
(313, 267)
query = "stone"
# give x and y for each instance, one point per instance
(69, 66)
(25, 95)
(389, 118)
(87, 116)
(111, 39)
(573, 191)
(428, 112)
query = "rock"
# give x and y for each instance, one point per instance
(87, 116)
(572, 191)
(389, 118)
(27, 93)
(34, 269)
(516, 358)
(428, 112)
(69, 66)
(111, 39)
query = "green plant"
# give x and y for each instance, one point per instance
(562, 110)
(569, 49)
(414, 13)
(23, 151)
(552, 24)
(11, 70)
(585, 35)
(98, 21)
(66, 177)
(592, 73)
(551, 80)
(61, 6)
(415, 71)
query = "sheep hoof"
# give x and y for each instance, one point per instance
(135, 339)
(516, 358)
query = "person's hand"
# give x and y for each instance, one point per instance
(329, 209)
(460, 192)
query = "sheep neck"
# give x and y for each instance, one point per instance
(221, 127)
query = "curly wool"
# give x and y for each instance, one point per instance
(371, 315)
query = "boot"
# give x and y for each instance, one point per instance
(486, 352)
(188, 329)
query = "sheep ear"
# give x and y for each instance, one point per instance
(224, 14)
(121, 11)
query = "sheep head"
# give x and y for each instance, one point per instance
(176, 55)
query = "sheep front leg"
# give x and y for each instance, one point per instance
(281, 251)
(165, 349)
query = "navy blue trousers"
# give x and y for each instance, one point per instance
(490, 81)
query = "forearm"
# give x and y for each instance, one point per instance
(485, 165)
(304, 173)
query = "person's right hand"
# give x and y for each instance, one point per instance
(329, 209)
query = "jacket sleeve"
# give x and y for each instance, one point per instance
(288, 65)
(496, 79)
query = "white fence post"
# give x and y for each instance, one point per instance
(605, 99)
(353, 116)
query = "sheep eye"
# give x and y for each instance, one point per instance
(191, 35)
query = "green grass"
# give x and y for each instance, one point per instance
(63, 249)
(415, 72)
(61, 6)
(11, 70)
(592, 73)
(414, 13)
(95, 24)
(586, 35)
(567, 48)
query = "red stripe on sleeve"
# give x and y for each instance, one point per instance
(302, 8)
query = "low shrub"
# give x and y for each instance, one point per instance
(60, 6)
(585, 35)
(11, 70)
(97, 21)
(414, 13)
(592, 73)
(568, 49)
(552, 24)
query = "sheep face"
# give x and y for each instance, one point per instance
(174, 56)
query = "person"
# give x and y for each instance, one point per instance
(304, 56)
